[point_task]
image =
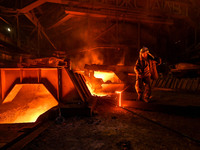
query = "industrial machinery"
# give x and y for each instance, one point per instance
(35, 88)
(124, 74)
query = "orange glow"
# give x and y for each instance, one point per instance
(93, 92)
(111, 88)
(15, 91)
(105, 76)
(25, 103)
(120, 97)
(87, 57)
(122, 61)
(103, 83)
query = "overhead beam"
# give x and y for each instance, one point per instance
(64, 19)
(153, 8)
(133, 17)
(31, 16)
(156, 7)
(105, 31)
(5, 21)
(32, 6)
(35, 21)
(100, 46)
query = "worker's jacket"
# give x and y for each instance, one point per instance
(146, 68)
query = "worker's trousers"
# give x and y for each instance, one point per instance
(143, 87)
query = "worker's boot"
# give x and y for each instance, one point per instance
(146, 96)
(147, 91)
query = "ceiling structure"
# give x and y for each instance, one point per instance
(116, 26)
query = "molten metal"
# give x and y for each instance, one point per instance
(103, 83)
(105, 76)
(25, 103)
(93, 92)
(120, 97)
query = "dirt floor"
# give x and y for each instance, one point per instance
(114, 128)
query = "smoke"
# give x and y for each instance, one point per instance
(84, 48)
(86, 57)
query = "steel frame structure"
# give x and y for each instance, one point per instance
(136, 11)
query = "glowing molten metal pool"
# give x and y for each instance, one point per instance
(103, 83)
(25, 103)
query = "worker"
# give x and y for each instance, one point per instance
(145, 69)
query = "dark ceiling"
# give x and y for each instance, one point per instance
(41, 27)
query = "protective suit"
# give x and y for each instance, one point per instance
(145, 69)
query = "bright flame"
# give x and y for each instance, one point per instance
(105, 76)
(27, 104)
(120, 97)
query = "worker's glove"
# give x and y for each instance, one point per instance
(160, 61)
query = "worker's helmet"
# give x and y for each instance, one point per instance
(144, 49)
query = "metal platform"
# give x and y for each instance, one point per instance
(166, 101)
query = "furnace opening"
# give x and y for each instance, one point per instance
(103, 83)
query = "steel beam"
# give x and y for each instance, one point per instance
(67, 17)
(153, 8)
(148, 11)
(31, 16)
(35, 21)
(156, 7)
(105, 31)
(32, 6)
(5, 21)
(133, 17)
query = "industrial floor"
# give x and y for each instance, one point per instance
(114, 128)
